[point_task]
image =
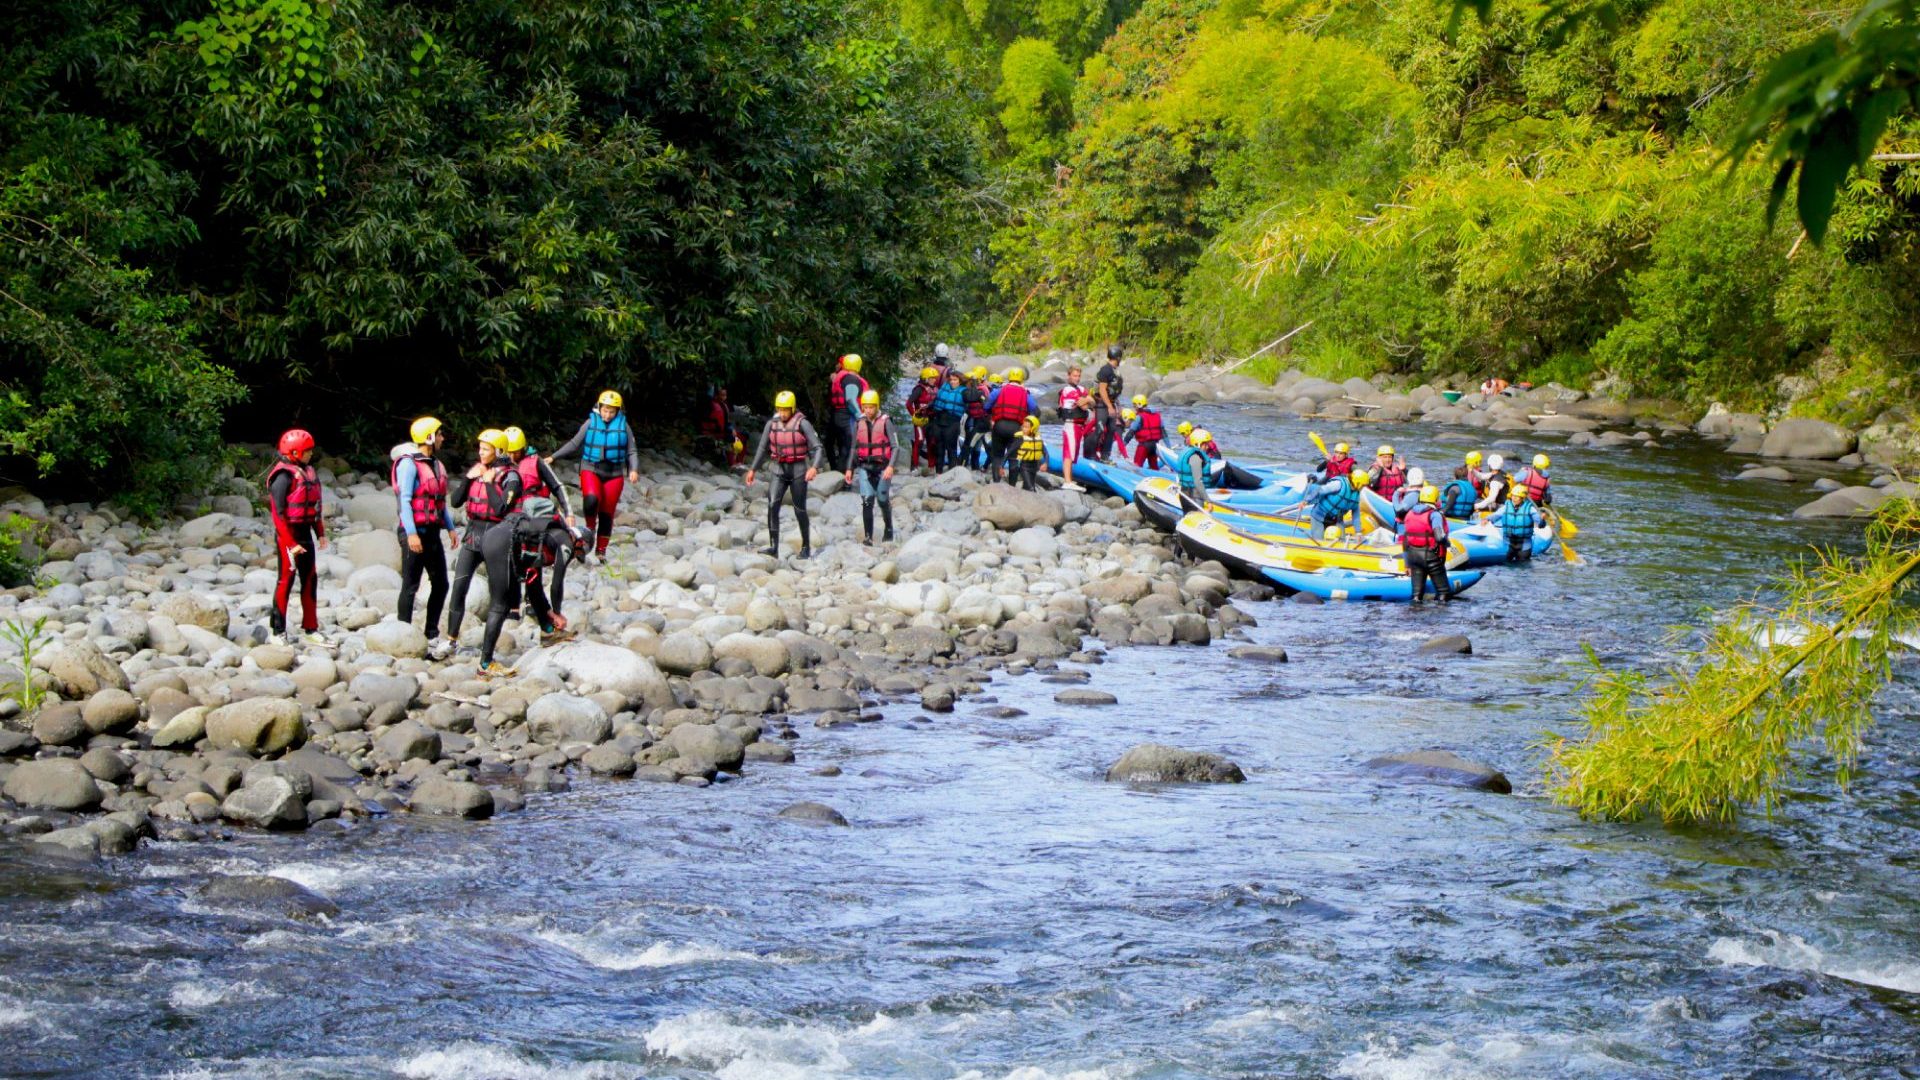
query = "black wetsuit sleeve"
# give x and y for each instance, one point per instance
(554, 485)
(278, 489)
(457, 490)
(507, 492)
(573, 445)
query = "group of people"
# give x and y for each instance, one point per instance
(515, 519)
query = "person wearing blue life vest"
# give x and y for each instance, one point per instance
(1423, 544)
(1408, 497)
(1458, 497)
(1334, 499)
(1191, 469)
(949, 417)
(1518, 518)
(609, 461)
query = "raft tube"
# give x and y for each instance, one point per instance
(1206, 537)
(1338, 584)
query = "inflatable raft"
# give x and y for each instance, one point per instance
(1337, 584)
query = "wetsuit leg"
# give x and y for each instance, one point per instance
(840, 455)
(503, 585)
(1000, 453)
(282, 588)
(464, 564)
(1437, 570)
(777, 482)
(306, 565)
(1102, 445)
(610, 489)
(562, 557)
(797, 484)
(434, 555)
(1417, 574)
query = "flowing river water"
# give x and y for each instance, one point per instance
(996, 910)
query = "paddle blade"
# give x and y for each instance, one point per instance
(1570, 555)
(1319, 443)
(1567, 528)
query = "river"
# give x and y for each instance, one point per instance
(997, 911)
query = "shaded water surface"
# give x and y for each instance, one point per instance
(998, 911)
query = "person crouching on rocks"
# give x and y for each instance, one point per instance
(514, 551)
(795, 449)
(874, 450)
(1031, 457)
(293, 501)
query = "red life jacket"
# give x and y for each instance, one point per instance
(1012, 403)
(1150, 427)
(531, 486)
(786, 443)
(1419, 529)
(303, 497)
(1536, 483)
(920, 400)
(1339, 466)
(837, 389)
(976, 401)
(429, 489)
(873, 441)
(481, 494)
(1479, 481)
(715, 424)
(1389, 481)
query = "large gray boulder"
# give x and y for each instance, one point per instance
(558, 719)
(184, 728)
(81, 670)
(379, 688)
(603, 667)
(256, 726)
(377, 548)
(1153, 763)
(1846, 502)
(1442, 767)
(708, 742)
(1799, 437)
(682, 653)
(269, 802)
(110, 712)
(262, 894)
(768, 656)
(52, 784)
(1010, 508)
(407, 740)
(396, 639)
(452, 798)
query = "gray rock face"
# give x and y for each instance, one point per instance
(813, 813)
(269, 802)
(110, 712)
(1085, 697)
(1265, 654)
(452, 798)
(1798, 437)
(1009, 508)
(1442, 767)
(1846, 502)
(377, 548)
(256, 726)
(707, 742)
(1446, 645)
(558, 719)
(376, 688)
(52, 784)
(1153, 763)
(262, 893)
(604, 667)
(1125, 588)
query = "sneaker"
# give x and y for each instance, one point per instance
(439, 649)
(316, 638)
(887, 538)
(495, 670)
(805, 553)
(1071, 486)
(867, 540)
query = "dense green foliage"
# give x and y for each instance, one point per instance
(1519, 194)
(362, 210)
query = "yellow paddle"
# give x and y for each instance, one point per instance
(1566, 552)
(1567, 527)
(1319, 443)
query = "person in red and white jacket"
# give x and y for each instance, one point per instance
(299, 529)
(1076, 420)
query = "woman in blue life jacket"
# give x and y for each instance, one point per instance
(949, 417)
(1458, 497)
(609, 461)
(1518, 518)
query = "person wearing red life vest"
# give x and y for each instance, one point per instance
(790, 442)
(1145, 432)
(718, 431)
(299, 529)
(844, 388)
(1389, 473)
(1535, 482)
(1423, 543)
(1339, 463)
(420, 486)
(609, 461)
(487, 492)
(920, 401)
(1008, 408)
(1076, 421)
(874, 451)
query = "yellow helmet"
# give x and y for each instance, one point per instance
(1200, 436)
(851, 362)
(738, 446)
(978, 372)
(1016, 374)
(929, 372)
(1032, 423)
(613, 398)
(495, 438)
(1128, 415)
(1185, 428)
(423, 429)
(1474, 458)
(1359, 477)
(783, 400)
(1341, 448)
(1516, 493)
(1429, 493)
(1384, 451)
(870, 397)
(516, 439)
(1332, 533)
(996, 378)
(1540, 461)
(1139, 401)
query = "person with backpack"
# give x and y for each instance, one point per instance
(420, 488)
(609, 461)
(1145, 432)
(489, 491)
(1008, 408)
(514, 549)
(949, 415)
(1410, 492)
(1423, 544)
(299, 530)
(794, 447)
(874, 451)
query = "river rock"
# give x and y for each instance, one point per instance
(608, 759)
(1265, 654)
(937, 697)
(604, 667)
(709, 743)
(1767, 472)
(52, 784)
(1153, 763)
(195, 609)
(1847, 502)
(768, 656)
(559, 719)
(1125, 588)
(380, 688)
(102, 836)
(1085, 697)
(914, 597)
(59, 725)
(1446, 645)
(380, 547)
(813, 813)
(261, 894)
(1034, 543)
(207, 529)
(104, 764)
(81, 670)
(1009, 508)
(683, 653)
(316, 673)
(407, 740)
(256, 726)
(269, 802)
(184, 729)
(1442, 767)
(396, 639)
(1799, 437)
(452, 798)
(110, 712)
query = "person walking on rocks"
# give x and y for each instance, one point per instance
(420, 485)
(1032, 454)
(874, 450)
(949, 415)
(1009, 408)
(1107, 385)
(790, 441)
(609, 461)
(1423, 545)
(299, 529)
(979, 425)
(489, 491)
(514, 549)
(537, 480)
(920, 410)
(844, 388)
(1076, 420)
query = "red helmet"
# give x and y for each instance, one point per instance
(295, 441)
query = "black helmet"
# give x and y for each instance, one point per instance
(1114, 352)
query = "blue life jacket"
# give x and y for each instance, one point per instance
(950, 401)
(606, 442)
(1516, 520)
(1184, 469)
(1457, 500)
(1340, 503)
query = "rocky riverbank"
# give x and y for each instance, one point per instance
(166, 714)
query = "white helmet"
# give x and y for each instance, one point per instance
(1416, 477)
(1494, 462)
(940, 350)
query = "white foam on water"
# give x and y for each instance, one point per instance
(1293, 1016)
(197, 994)
(1794, 953)
(1034, 1072)
(615, 956)
(467, 1060)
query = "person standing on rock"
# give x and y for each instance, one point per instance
(1423, 545)
(1145, 433)
(537, 480)
(949, 416)
(420, 484)
(844, 388)
(299, 529)
(1008, 408)
(920, 411)
(1107, 385)
(609, 461)
(1335, 499)
(1494, 495)
(489, 491)
(1075, 422)
(790, 441)
(979, 425)
(514, 549)
(874, 450)
(720, 437)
